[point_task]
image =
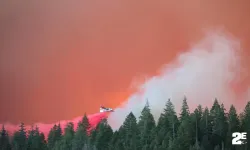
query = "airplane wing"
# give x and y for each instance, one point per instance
(104, 109)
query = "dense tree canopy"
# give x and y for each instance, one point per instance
(202, 129)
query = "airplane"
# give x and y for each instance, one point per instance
(104, 109)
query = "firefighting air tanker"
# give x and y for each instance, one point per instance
(104, 109)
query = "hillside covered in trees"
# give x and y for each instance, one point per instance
(202, 129)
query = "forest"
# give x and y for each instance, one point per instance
(203, 129)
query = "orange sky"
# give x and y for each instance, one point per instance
(61, 59)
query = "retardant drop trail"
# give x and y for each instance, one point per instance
(94, 119)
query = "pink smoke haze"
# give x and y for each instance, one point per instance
(94, 119)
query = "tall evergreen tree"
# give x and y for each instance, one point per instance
(146, 118)
(81, 138)
(196, 120)
(4, 140)
(117, 141)
(233, 126)
(206, 126)
(206, 130)
(36, 141)
(162, 132)
(121, 138)
(92, 137)
(146, 125)
(131, 135)
(184, 138)
(66, 143)
(103, 136)
(215, 107)
(58, 132)
(184, 110)
(219, 124)
(43, 144)
(51, 137)
(246, 124)
(167, 127)
(81, 135)
(170, 115)
(30, 141)
(20, 138)
(85, 123)
(54, 136)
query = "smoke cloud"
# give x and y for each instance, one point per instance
(209, 70)
(205, 72)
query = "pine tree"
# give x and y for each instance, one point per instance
(80, 137)
(215, 112)
(246, 124)
(85, 123)
(121, 134)
(161, 130)
(146, 125)
(146, 118)
(103, 136)
(92, 137)
(58, 133)
(154, 136)
(166, 141)
(170, 115)
(131, 134)
(196, 122)
(184, 138)
(36, 141)
(167, 126)
(43, 144)
(68, 136)
(54, 137)
(219, 126)
(233, 126)
(4, 140)
(184, 110)
(51, 138)
(206, 129)
(215, 107)
(115, 142)
(30, 145)
(20, 139)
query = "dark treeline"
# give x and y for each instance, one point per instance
(203, 129)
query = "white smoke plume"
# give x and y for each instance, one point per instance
(202, 74)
